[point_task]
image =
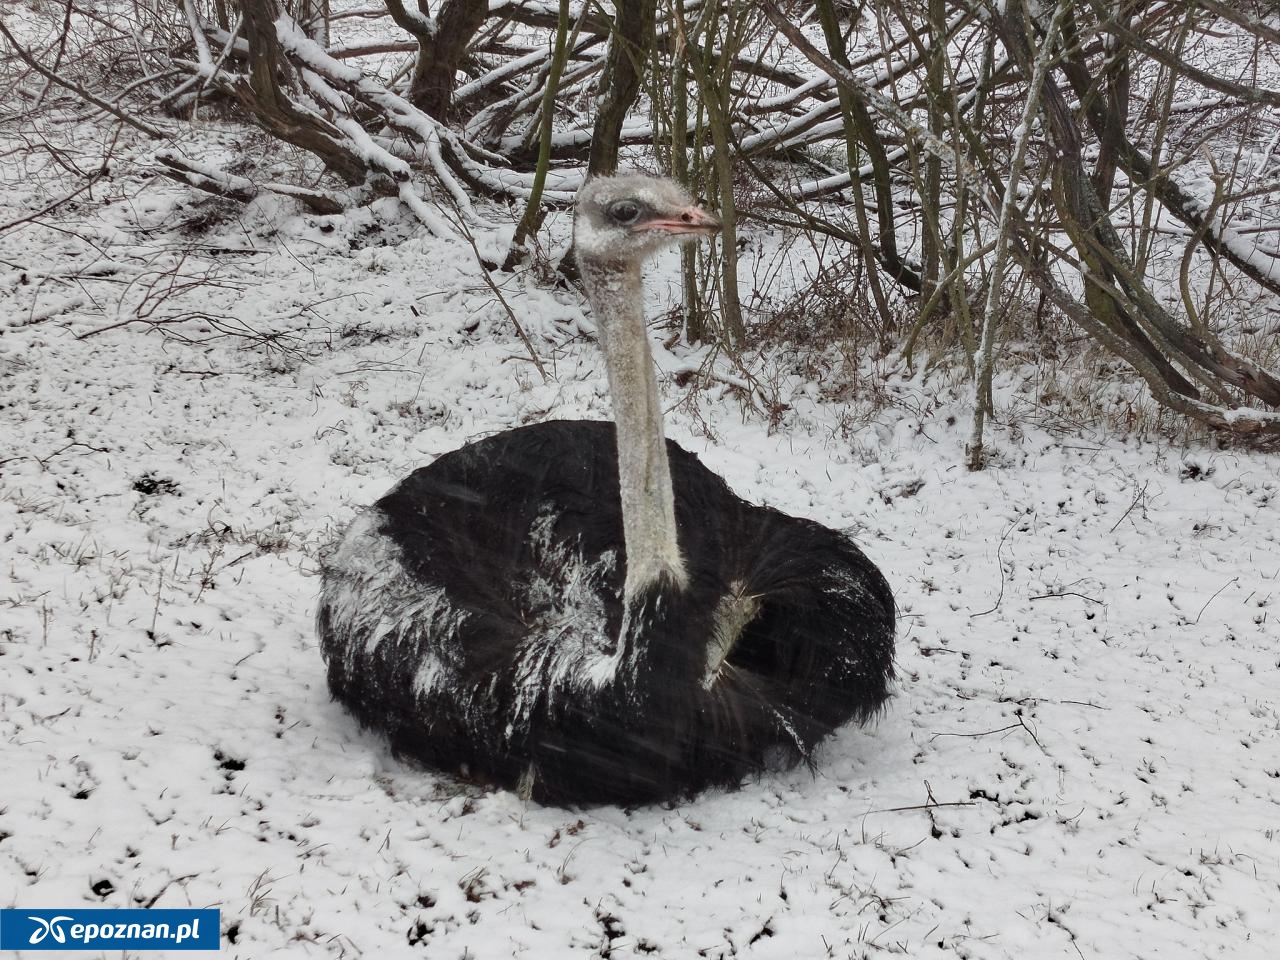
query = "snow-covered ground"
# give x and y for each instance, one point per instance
(1082, 759)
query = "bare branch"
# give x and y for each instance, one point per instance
(112, 108)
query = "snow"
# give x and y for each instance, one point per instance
(1248, 251)
(295, 40)
(1082, 758)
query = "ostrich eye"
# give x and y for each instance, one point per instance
(625, 212)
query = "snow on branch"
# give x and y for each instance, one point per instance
(214, 180)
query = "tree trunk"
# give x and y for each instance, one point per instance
(267, 101)
(629, 47)
(442, 42)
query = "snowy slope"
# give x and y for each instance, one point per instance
(1082, 759)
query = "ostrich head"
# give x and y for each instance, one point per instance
(627, 217)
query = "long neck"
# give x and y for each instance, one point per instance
(644, 475)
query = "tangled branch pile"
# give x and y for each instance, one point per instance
(1116, 162)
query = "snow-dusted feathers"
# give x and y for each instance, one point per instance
(783, 632)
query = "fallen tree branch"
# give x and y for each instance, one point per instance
(220, 183)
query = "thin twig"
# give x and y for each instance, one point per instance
(984, 733)
(1214, 597)
(497, 292)
(1000, 563)
(923, 806)
(1023, 721)
(1136, 500)
(53, 205)
(1064, 593)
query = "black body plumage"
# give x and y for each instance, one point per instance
(475, 615)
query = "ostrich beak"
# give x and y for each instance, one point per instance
(691, 219)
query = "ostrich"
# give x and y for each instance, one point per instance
(581, 611)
